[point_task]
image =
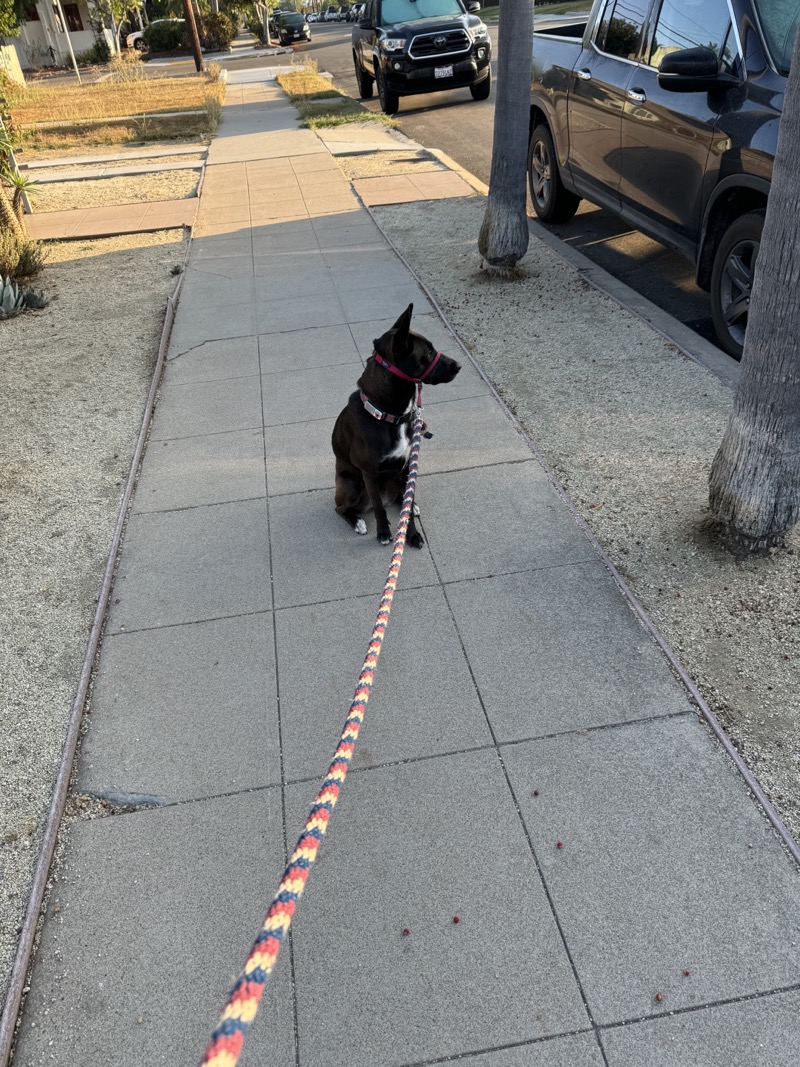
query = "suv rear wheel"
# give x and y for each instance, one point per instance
(365, 83)
(390, 102)
(732, 280)
(551, 201)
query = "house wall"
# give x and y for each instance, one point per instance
(10, 64)
(38, 37)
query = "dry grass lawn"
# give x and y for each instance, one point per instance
(320, 104)
(64, 103)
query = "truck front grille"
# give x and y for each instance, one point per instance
(446, 43)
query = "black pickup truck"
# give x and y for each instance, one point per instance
(421, 46)
(666, 112)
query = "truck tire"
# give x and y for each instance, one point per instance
(551, 201)
(365, 83)
(732, 280)
(482, 89)
(390, 102)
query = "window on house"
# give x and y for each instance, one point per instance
(73, 17)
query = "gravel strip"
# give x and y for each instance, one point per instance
(631, 427)
(105, 192)
(75, 378)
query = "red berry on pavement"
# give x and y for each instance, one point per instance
(456, 919)
(406, 933)
(559, 844)
(659, 997)
(686, 974)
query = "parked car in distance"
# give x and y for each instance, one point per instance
(666, 114)
(292, 26)
(406, 47)
(332, 15)
(136, 39)
(312, 17)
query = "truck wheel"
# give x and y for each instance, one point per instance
(482, 89)
(365, 83)
(732, 280)
(551, 201)
(390, 102)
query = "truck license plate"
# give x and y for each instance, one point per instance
(443, 72)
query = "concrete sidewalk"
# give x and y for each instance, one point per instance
(519, 704)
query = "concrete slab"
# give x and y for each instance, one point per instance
(289, 313)
(565, 651)
(234, 357)
(244, 144)
(207, 324)
(194, 408)
(299, 457)
(201, 289)
(235, 266)
(195, 877)
(317, 557)
(303, 349)
(195, 471)
(656, 875)
(405, 188)
(308, 395)
(516, 499)
(383, 301)
(272, 283)
(576, 1050)
(764, 1032)
(142, 742)
(186, 566)
(468, 433)
(424, 702)
(402, 845)
(220, 246)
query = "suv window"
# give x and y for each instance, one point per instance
(394, 11)
(693, 24)
(620, 29)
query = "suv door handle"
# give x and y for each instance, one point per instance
(584, 74)
(637, 95)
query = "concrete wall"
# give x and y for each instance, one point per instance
(10, 64)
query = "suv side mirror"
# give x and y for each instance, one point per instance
(692, 70)
(473, 7)
(365, 24)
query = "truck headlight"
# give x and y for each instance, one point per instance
(393, 44)
(480, 33)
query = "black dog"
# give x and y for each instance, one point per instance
(372, 436)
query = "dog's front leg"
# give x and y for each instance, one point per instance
(372, 485)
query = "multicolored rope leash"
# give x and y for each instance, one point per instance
(227, 1040)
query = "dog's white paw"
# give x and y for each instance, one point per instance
(360, 526)
(416, 510)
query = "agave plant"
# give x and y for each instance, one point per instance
(13, 299)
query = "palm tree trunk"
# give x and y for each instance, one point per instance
(754, 486)
(503, 239)
(8, 216)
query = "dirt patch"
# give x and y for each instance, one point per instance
(382, 164)
(103, 192)
(75, 378)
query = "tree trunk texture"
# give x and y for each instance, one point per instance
(8, 216)
(503, 238)
(754, 486)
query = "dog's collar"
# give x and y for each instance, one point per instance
(379, 359)
(384, 416)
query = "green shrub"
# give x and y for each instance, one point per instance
(216, 31)
(255, 26)
(20, 259)
(165, 37)
(97, 54)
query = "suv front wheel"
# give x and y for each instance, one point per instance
(390, 102)
(732, 280)
(551, 201)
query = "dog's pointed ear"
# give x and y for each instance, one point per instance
(395, 340)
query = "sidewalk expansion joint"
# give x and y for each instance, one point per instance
(469, 1053)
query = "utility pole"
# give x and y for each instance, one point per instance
(188, 12)
(65, 30)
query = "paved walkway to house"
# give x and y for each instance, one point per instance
(528, 763)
